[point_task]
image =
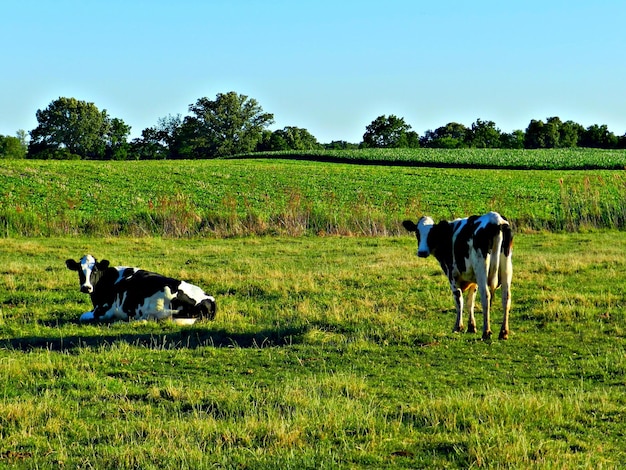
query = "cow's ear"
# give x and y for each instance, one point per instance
(102, 265)
(71, 264)
(409, 225)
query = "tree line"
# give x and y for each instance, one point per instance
(234, 124)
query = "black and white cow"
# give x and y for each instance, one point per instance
(123, 293)
(474, 252)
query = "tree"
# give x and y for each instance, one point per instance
(570, 134)
(596, 136)
(534, 136)
(228, 125)
(116, 140)
(552, 134)
(514, 140)
(158, 142)
(389, 132)
(24, 138)
(484, 134)
(288, 138)
(340, 145)
(452, 135)
(69, 127)
(11, 147)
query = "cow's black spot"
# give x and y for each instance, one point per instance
(484, 237)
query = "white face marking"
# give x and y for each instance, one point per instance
(87, 263)
(423, 228)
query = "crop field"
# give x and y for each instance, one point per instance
(516, 159)
(329, 350)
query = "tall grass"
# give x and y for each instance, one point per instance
(598, 202)
(579, 206)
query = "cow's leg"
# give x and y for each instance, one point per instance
(485, 298)
(458, 300)
(506, 275)
(471, 302)
(481, 271)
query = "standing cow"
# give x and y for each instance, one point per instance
(122, 293)
(474, 252)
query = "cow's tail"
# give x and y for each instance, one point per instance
(507, 239)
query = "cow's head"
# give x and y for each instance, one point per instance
(422, 230)
(89, 271)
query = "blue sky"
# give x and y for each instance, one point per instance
(331, 67)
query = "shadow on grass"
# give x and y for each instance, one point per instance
(187, 338)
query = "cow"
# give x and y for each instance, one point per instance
(123, 293)
(474, 253)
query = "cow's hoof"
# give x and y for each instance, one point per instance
(471, 328)
(486, 335)
(504, 334)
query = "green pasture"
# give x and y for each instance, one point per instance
(221, 198)
(327, 352)
(333, 344)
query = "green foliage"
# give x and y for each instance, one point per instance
(234, 124)
(452, 135)
(513, 140)
(596, 136)
(11, 147)
(182, 199)
(72, 127)
(327, 352)
(228, 125)
(390, 132)
(484, 134)
(341, 145)
(288, 138)
(158, 142)
(557, 134)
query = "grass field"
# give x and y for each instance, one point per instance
(327, 352)
(220, 198)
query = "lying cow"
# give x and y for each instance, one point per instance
(123, 293)
(474, 253)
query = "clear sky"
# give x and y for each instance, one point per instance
(331, 67)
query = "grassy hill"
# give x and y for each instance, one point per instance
(277, 196)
